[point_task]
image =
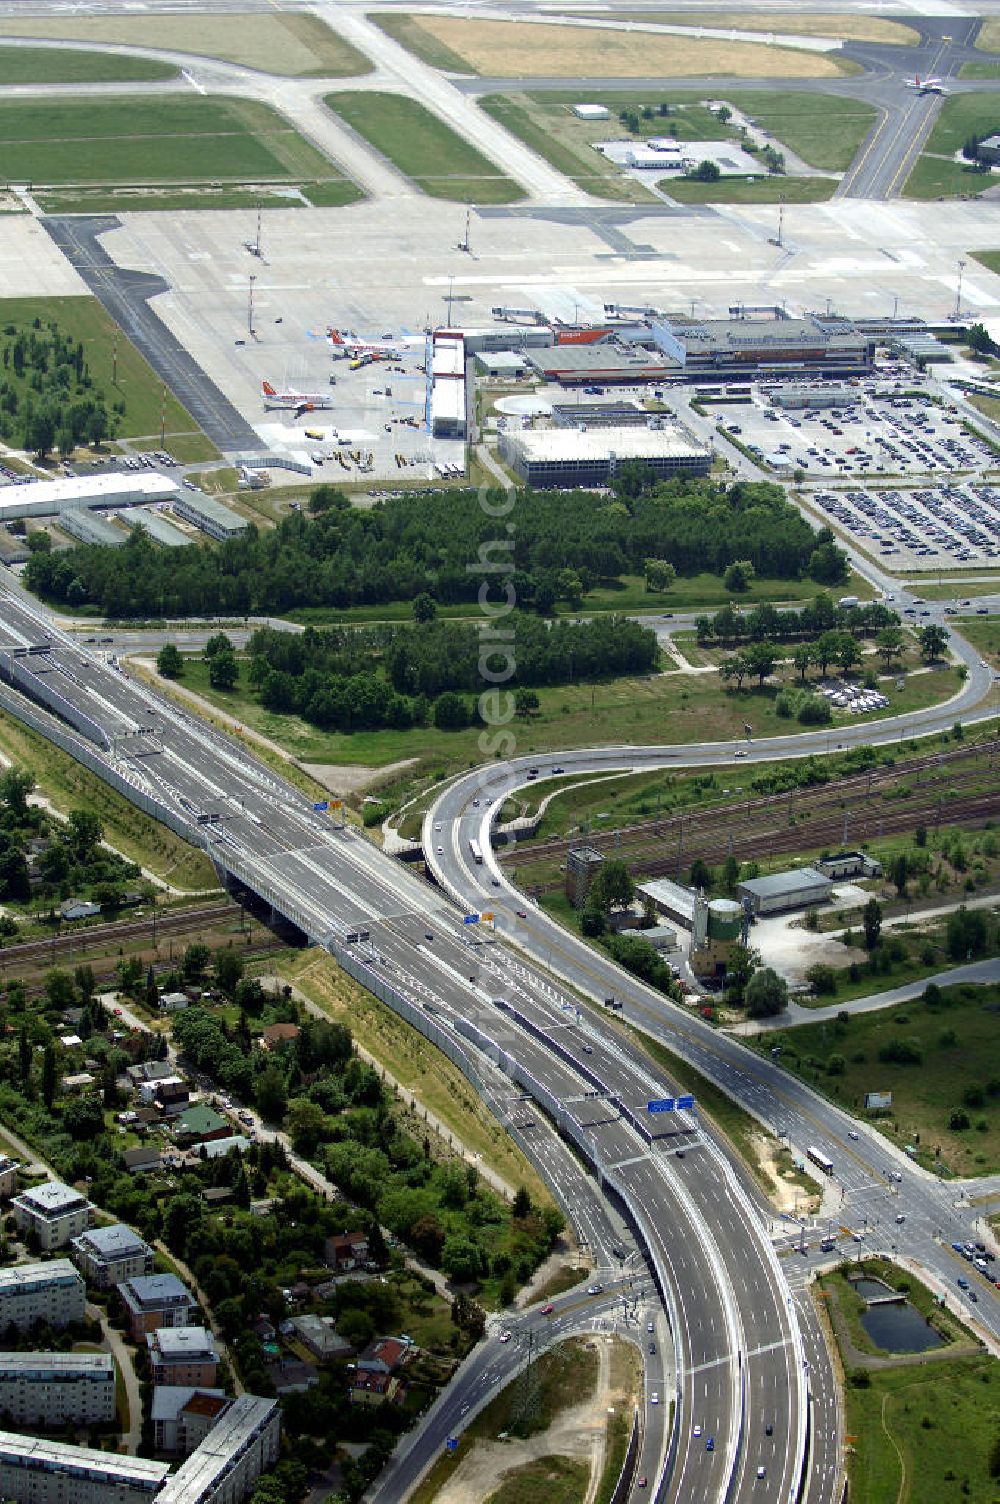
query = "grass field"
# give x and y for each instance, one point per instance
(979, 70)
(961, 588)
(69, 785)
(294, 46)
(762, 190)
(844, 27)
(983, 631)
(921, 1432)
(959, 1047)
(673, 706)
(84, 319)
(823, 129)
(146, 140)
(559, 1480)
(63, 65)
(989, 259)
(331, 194)
(935, 174)
(505, 49)
(413, 1062)
(423, 147)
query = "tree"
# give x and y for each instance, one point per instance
(701, 875)
(460, 1259)
(889, 643)
(218, 643)
(933, 642)
(660, 574)
(451, 713)
(48, 1075)
(85, 833)
(169, 662)
(828, 564)
(802, 657)
(526, 702)
(978, 337)
(194, 962)
(900, 872)
(223, 670)
(612, 888)
(766, 994)
(707, 171)
(848, 652)
(723, 114)
(826, 648)
(872, 920)
(15, 786)
(521, 1205)
(424, 607)
(739, 575)
(228, 970)
(83, 1118)
(967, 933)
(743, 962)
(730, 873)
(735, 668)
(760, 658)
(271, 1094)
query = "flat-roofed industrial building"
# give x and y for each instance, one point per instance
(569, 457)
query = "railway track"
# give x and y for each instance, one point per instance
(77, 941)
(852, 810)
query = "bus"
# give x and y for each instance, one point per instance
(477, 855)
(820, 1159)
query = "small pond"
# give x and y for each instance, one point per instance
(895, 1328)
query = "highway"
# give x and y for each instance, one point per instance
(736, 1343)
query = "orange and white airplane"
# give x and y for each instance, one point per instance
(374, 349)
(299, 402)
(926, 85)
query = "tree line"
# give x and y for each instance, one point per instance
(549, 548)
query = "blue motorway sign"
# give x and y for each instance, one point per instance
(685, 1104)
(665, 1104)
(451, 1443)
(470, 919)
(322, 804)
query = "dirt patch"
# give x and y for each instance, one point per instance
(785, 1188)
(344, 778)
(507, 50)
(293, 46)
(576, 1433)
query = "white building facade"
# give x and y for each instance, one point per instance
(57, 1389)
(54, 1293)
(54, 1213)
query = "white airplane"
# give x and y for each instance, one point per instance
(301, 402)
(926, 85)
(386, 348)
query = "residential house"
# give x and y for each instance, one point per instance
(173, 1002)
(141, 1161)
(8, 1177)
(384, 1355)
(318, 1335)
(346, 1250)
(78, 908)
(201, 1124)
(275, 1036)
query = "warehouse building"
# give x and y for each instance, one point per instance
(448, 409)
(848, 864)
(567, 457)
(53, 1293)
(53, 1213)
(159, 529)
(785, 890)
(797, 396)
(601, 415)
(49, 1472)
(503, 365)
(47, 498)
(210, 515)
(57, 1389)
(88, 528)
(107, 1255)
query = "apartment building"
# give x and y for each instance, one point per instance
(242, 1443)
(108, 1255)
(182, 1355)
(152, 1301)
(57, 1389)
(54, 1293)
(182, 1417)
(33, 1471)
(53, 1213)
(8, 1177)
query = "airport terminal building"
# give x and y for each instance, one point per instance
(568, 457)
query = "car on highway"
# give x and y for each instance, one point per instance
(440, 851)
(594, 1289)
(652, 1348)
(963, 1283)
(654, 1398)
(851, 1134)
(769, 1429)
(974, 1297)
(505, 1336)
(710, 1444)
(642, 1482)
(548, 1309)
(650, 1327)
(696, 1430)
(522, 913)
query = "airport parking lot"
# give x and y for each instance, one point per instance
(904, 435)
(929, 527)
